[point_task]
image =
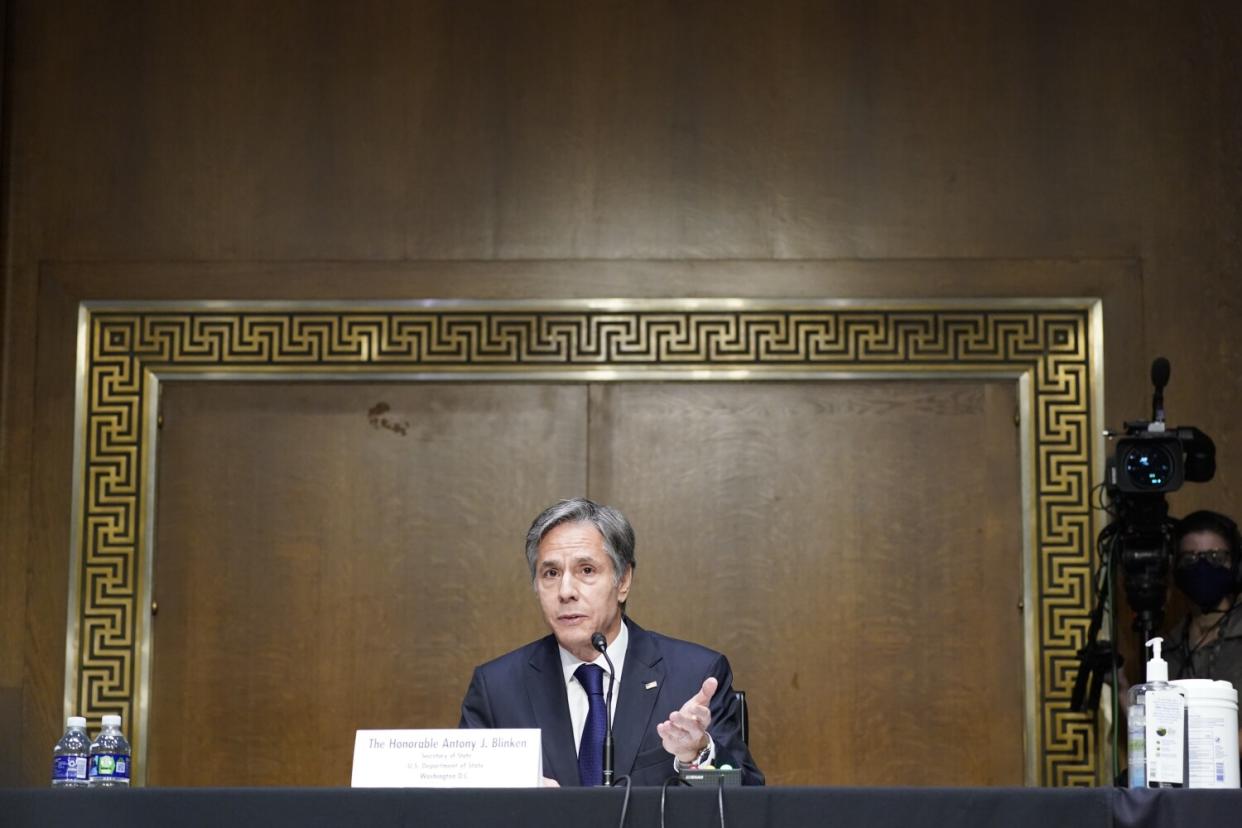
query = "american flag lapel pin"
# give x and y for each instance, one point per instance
(650, 685)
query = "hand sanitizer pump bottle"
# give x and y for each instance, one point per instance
(1157, 729)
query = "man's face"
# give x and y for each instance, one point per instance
(577, 591)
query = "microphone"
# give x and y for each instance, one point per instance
(600, 643)
(1160, 371)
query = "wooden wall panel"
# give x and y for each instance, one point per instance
(319, 568)
(336, 557)
(829, 538)
(226, 133)
(552, 129)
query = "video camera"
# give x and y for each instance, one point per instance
(1150, 461)
(1154, 460)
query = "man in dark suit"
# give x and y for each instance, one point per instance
(673, 705)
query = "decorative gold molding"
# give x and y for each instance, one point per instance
(1051, 347)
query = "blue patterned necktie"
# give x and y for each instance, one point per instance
(591, 748)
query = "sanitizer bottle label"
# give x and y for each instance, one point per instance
(1136, 747)
(1166, 722)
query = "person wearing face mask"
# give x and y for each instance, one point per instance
(1207, 643)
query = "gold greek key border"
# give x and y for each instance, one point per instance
(1051, 347)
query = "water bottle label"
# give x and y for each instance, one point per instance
(69, 769)
(109, 766)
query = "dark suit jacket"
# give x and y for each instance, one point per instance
(526, 688)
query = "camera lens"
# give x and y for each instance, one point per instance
(1149, 467)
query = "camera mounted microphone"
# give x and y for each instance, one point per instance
(601, 644)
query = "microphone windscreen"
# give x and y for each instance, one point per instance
(599, 642)
(1160, 372)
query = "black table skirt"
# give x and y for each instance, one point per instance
(760, 807)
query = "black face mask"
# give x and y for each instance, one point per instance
(1205, 584)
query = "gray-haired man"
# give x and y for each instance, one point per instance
(673, 705)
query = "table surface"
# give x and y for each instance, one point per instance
(774, 806)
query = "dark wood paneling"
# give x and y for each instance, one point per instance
(236, 131)
(10, 766)
(833, 540)
(554, 129)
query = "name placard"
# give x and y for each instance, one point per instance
(447, 759)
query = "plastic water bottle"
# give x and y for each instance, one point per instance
(71, 755)
(110, 763)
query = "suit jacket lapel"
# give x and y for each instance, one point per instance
(545, 686)
(635, 703)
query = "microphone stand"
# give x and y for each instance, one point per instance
(601, 644)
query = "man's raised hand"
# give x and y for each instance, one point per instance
(684, 732)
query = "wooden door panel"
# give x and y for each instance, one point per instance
(339, 556)
(855, 548)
